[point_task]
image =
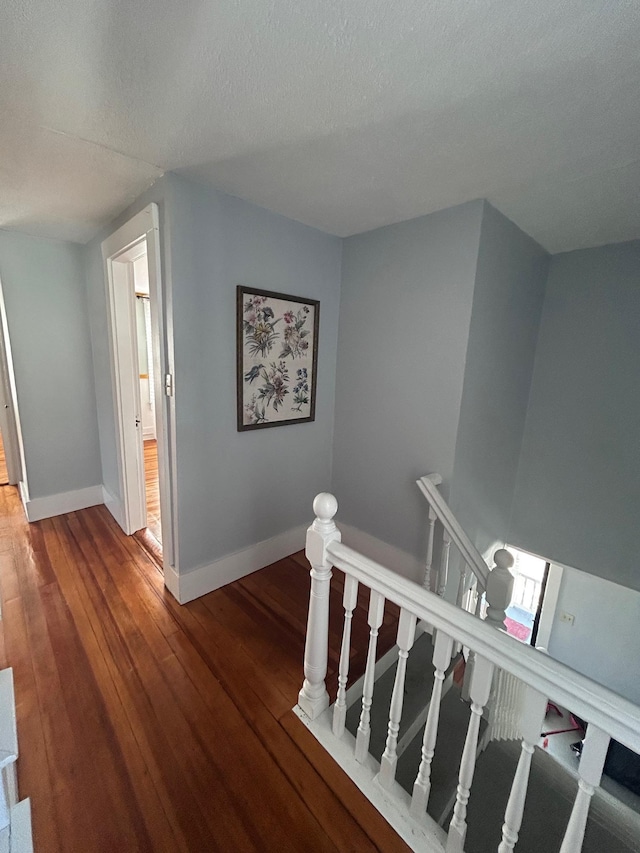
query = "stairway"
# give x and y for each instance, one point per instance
(611, 827)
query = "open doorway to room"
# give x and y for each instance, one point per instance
(535, 594)
(142, 379)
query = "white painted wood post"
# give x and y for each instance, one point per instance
(592, 758)
(462, 584)
(405, 637)
(349, 600)
(376, 614)
(499, 588)
(422, 786)
(471, 659)
(480, 688)
(313, 698)
(443, 574)
(432, 530)
(531, 723)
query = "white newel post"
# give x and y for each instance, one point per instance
(499, 588)
(313, 698)
(592, 758)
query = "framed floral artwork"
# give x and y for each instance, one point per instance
(277, 358)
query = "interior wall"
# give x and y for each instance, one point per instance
(238, 488)
(405, 310)
(48, 321)
(587, 645)
(507, 305)
(577, 497)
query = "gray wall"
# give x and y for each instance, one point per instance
(578, 490)
(590, 645)
(48, 322)
(507, 305)
(406, 301)
(236, 489)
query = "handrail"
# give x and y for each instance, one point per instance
(470, 553)
(593, 702)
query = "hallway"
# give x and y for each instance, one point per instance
(144, 725)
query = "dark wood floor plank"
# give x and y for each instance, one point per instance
(146, 725)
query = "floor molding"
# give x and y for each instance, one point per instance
(39, 508)
(114, 505)
(205, 579)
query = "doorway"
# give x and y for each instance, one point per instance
(141, 367)
(12, 467)
(535, 594)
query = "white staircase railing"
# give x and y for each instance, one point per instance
(607, 714)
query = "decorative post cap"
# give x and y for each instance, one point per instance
(325, 506)
(503, 559)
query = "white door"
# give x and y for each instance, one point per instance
(117, 251)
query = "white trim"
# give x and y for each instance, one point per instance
(186, 587)
(149, 433)
(172, 582)
(549, 605)
(114, 505)
(123, 244)
(392, 804)
(388, 555)
(39, 508)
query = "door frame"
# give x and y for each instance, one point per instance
(125, 377)
(9, 414)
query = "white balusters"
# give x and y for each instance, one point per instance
(499, 588)
(405, 637)
(592, 758)
(349, 600)
(443, 574)
(462, 584)
(479, 691)
(313, 698)
(376, 614)
(535, 706)
(422, 786)
(432, 524)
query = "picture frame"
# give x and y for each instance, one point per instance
(276, 358)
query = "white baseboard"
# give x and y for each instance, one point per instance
(149, 433)
(205, 579)
(387, 555)
(114, 505)
(39, 508)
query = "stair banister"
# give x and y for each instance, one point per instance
(591, 701)
(470, 554)
(313, 698)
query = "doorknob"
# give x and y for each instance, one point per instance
(137, 422)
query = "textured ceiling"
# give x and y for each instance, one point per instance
(344, 114)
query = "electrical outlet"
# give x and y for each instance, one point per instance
(569, 618)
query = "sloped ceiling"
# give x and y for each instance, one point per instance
(344, 114)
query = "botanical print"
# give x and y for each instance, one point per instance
(276, 358)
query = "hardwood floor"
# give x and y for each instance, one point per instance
(147, 726)
(151, 488)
